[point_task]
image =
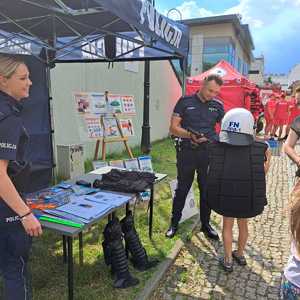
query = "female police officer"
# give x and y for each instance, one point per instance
(17, 223)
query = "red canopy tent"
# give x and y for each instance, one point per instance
(235, 91)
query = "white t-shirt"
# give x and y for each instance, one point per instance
(292, 269)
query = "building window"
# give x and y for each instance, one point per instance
(245, 69)
(177, 67)
(216, 49)
(239, 65)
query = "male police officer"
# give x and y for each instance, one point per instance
(199, 113)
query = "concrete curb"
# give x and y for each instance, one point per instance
(153, 282)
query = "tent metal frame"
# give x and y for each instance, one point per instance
(65, 16)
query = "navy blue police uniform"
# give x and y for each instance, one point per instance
(14, 241)
(201, 117)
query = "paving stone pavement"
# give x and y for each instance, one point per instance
(196, 274)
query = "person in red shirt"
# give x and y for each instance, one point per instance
(280, 116)
(294, 109)
(269, 111)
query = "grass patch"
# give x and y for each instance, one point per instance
(93, 280)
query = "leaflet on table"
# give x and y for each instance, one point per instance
(65, 215)
(97, 164)
(79, 206)
(110, 198)
(80, 190)
(145, 163)
(116, 163)
(132, 164)
(48, 198)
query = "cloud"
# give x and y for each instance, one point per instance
(274, 25)
(191, 9)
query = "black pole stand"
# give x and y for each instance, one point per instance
(145, 142)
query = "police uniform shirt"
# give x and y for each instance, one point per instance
(13, 136)
(198, 115)
(13, 139)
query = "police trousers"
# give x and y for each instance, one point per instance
(188, 161)
(15, 246)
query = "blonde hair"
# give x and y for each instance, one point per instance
(294, 211)
(9, 64)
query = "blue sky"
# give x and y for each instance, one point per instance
(274, 25)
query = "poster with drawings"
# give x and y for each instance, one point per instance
(114, 104)
(126, 127)
(82, 101)
(98, 103)
(128, 104)
(95, 114)
(132, 164)
(145, 163)
(110, 129)
(94, 127)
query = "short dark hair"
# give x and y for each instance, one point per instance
(297, 90)
(214, 77)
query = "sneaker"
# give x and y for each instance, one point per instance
(241, 260)
(227, 266)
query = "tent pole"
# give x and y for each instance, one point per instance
(50, 111)
(145, 142)
(184, 67)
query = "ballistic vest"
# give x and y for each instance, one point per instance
(236, 184)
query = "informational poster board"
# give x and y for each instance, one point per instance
(98, 103)
(128, 106)
(190, 208)
(97, 164)
(145, 163)
(82, 101)
(104, 103)
(132, 164)
(127, 127)
(94, 127)
(116, 163)
(110, 128)
(97, 113)
(114, 104)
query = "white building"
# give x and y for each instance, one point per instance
(219, 37)
(281, 79)
(257, 70)
(286, 81)
(294, 75)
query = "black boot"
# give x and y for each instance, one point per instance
(172, 230)
(209, 232)
(138, 253)
(115, 255)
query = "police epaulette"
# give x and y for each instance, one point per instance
(218, 101)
